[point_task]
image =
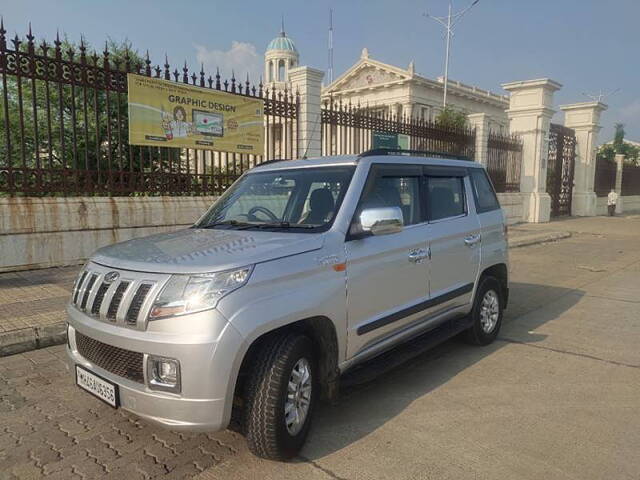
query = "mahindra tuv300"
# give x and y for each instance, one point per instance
(300, 271)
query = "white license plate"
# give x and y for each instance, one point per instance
(101, 388)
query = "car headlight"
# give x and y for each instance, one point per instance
(193, 293)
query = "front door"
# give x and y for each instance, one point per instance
(387, 274)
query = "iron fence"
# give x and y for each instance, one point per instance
(630, 180)
(605, 177)
(64, 125)
(504, 161)
(349, 129)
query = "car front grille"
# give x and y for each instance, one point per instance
(125, 301)
(121, 362)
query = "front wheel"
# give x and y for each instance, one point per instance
(486, 313)
(281, 396)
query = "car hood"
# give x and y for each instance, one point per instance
(196, 250)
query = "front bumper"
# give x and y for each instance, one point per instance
(204, 403)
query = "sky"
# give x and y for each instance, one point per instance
(589, 46)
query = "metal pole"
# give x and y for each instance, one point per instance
(446, 61)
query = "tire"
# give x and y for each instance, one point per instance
(265, 423)
(485, 328)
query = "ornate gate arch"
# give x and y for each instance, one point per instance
(560, 168)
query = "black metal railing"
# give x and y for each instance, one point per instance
(504, 161)
(348, 129)
(630, 180)
(605, 177)
(64, 125)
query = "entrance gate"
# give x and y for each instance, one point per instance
(560, 168)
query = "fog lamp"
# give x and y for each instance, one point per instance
(163, 374)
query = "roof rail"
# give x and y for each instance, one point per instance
(422, 153)
(269, 162)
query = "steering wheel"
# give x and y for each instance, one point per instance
(259, 208)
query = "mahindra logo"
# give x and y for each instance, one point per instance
(111, 277)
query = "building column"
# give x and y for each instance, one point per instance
(530, 111)
(480, 121)
(308, 82)
(619, 168)
(584, 118)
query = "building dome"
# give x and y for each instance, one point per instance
(282, 42)
(280, 57)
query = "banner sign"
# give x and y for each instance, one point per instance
(171, 114)
(392, 141)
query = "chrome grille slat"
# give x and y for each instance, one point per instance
(77, 286)
(97, 302)
(121, 362)
(87, 290)
(136, 303)
(116, 299)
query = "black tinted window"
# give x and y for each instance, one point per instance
(445, 197)
(486, 199)
(396, 186)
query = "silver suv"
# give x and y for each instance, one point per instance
(300, 271)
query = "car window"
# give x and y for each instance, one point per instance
(485, 196)
(445, 197)
(394, 186)
(305, 198)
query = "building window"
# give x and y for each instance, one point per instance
(281, 71)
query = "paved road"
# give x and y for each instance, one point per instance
(556, 396)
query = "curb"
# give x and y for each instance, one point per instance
(33, 338)
(534, 239)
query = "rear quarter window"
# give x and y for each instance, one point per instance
(483, 192)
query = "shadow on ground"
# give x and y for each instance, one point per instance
(369, 401)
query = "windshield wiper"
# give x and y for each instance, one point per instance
(284, 225)
(230, 223)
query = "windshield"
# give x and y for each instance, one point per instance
(303, 198)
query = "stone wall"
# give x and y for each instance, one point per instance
(513, 207)
(46, 232)
(630, 204)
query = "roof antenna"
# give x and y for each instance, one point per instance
(330, 68)
(282, 34)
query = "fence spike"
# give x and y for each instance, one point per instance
(194, 77)
(217, 78)
(260, 87)
(185, 73)
(202, 74)
(247, 85)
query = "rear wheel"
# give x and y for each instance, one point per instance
(486, 313)
(281, 396)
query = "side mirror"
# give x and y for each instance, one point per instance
(382, 220)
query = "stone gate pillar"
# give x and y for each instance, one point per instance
(584, 118)
(530, 111)
(308, 81)
(618, 188)
(480, 121)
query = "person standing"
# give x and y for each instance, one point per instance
(612, 199)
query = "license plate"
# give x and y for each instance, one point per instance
(98, 386)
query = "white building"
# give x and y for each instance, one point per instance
(382, 87)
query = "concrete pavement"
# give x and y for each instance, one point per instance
(557, 396)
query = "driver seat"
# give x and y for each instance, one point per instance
(321, 204)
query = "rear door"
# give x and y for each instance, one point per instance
(384, 280)
(491, 217)
(454, 238)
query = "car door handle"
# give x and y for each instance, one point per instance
(416, 256)
(471, 240)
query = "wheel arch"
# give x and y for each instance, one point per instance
(322, 332)
(501, 273)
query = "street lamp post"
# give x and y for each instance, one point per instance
(448, 23)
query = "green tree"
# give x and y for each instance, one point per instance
(618, 137)
(450, 118)
(34, 104)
